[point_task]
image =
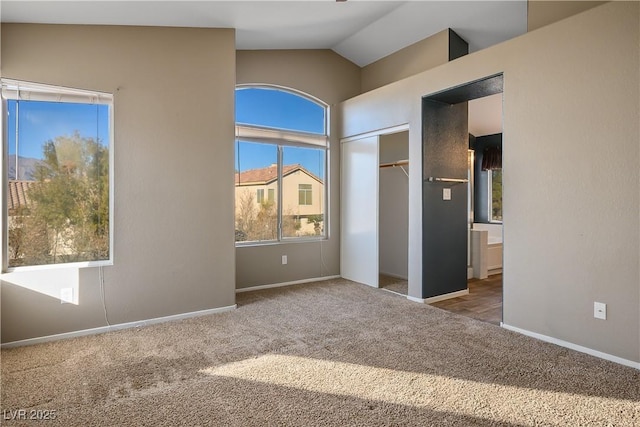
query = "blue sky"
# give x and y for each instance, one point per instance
(274, 108)
(39, 122)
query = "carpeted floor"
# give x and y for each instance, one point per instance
(331, 353)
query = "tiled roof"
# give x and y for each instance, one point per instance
(18, 196)
(269, 174)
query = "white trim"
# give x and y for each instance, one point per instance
(576, 347)
(30, 91)
(117, 327)
(393, 292)
(279, 285)
(443, 297)
(261, 134)
(377, 132)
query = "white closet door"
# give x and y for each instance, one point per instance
(359, 211)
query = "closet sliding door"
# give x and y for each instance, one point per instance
(359, 210)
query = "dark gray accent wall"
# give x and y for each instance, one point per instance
(444, 238)
(445, 142)
(480, 188)
(457, 46)
(467, 92)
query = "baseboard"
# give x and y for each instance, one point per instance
(572, 346)
(279, 285)
(443, 297)
(116, 327)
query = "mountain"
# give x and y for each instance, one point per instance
(26, 167)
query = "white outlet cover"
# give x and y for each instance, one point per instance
(284, 259)
(600, 310)
(446, 194)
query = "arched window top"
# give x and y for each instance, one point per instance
(279, 108)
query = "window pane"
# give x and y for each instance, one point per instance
(256, 218)
(303, 193)
(58, 178)
(496, 195)
(279, 109)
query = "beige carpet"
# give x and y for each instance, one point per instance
(327, 354)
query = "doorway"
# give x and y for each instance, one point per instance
(375, 209)
(449, 211)
(393, 212)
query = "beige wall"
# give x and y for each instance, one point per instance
(413, 59)
(332, 79)
(571, 172)
(545, 12)
(174, 132)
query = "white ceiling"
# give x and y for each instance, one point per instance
(485, 115)
(361, 31)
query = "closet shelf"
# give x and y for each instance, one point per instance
(394, 164)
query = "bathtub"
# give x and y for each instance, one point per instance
(486, 249)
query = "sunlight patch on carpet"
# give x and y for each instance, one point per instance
(496, 402)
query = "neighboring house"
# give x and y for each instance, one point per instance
(19, 206)
(18, 198)
(302, 194)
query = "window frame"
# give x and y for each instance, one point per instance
(29, 91)
(282, 138)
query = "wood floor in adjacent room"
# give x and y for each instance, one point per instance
(484, 301)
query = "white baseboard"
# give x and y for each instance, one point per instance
(439, 297)
(279, 285)
(117, 327)
(575, 347)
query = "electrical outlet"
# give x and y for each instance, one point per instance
(446, 194)
(600, 310)
(284, 259)
(66, 295)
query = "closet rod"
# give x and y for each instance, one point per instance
(394, 164)
(457, 180)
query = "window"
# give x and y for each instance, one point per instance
(281, 147)
(495, 195)
(304, 194)
(58, 184)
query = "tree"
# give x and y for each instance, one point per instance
(69, 202)
(245, 215)
(316, 220)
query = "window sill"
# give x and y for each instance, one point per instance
(281, 242)
(68, 265)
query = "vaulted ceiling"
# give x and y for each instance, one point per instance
(361, 31)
